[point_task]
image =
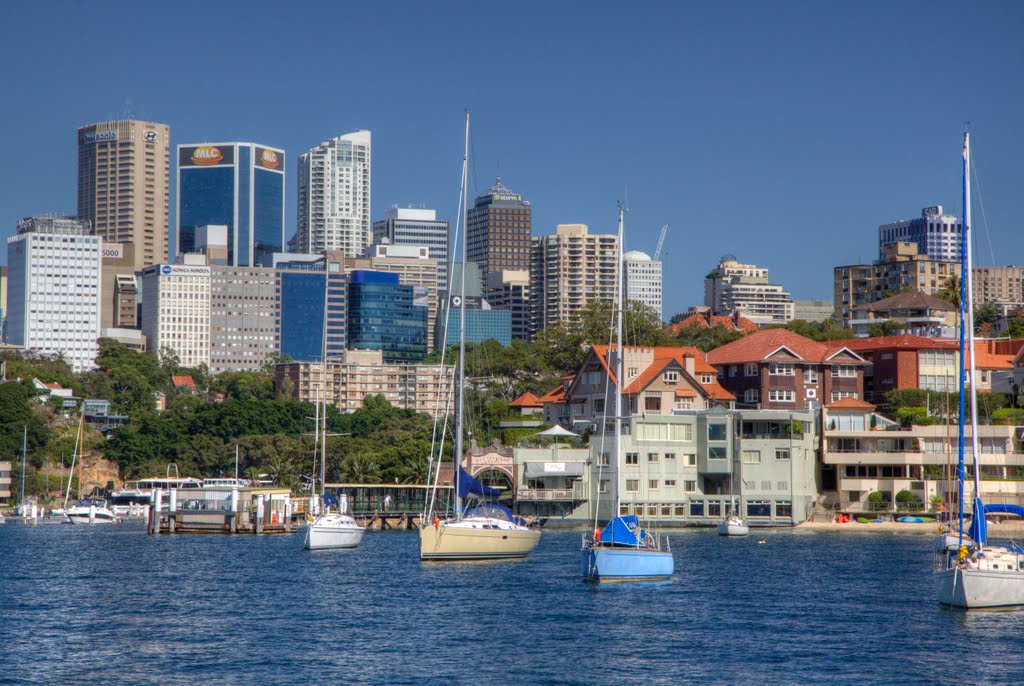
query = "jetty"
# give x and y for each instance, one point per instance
(227, 509)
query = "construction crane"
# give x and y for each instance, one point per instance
(661, 242)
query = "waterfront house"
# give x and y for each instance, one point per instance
(776, 369)
(916, 313)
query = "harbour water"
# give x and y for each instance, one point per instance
(110, 604)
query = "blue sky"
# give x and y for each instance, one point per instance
(783, 133)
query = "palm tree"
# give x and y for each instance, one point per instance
(950, 291)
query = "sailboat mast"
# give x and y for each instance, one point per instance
(24, 457)
(461, 390)
(323, 386)
(620, 382)
(967, 275)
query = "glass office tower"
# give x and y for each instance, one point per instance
(239, 185)
(301, 296)
(386, 315)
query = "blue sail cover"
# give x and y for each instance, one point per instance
(979, 526)
(471, 486)
(495, 511)
(624, 531)
(330, 500)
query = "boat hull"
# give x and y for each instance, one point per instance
(618, 565)
(85, 517)
(980, 589)
(330, 535)
(463, 543)
(733, 529)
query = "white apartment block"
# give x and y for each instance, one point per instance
(420, 387)
(569, 270)
(245, 320)
(643, 279)
(416, 227)
(937, 234)
(176, 309)
(744, 288)
(334, 196)
(54, 269)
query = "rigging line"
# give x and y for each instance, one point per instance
(981, 204)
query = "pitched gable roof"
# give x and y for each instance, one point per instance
(183, 381)
(903, 301)
(901, 342)
(555, 395)
(664, 357)
(526, 400)
(766, 343)
(850, 404)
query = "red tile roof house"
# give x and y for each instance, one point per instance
(776, 369)
(706, 320)
(527, 404)
(658, 381)
(184, 383)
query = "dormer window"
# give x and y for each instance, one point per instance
(671, 377)
(707, 378)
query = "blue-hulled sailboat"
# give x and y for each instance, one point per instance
(969, 573)
(623, 551)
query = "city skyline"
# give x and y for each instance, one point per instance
(789, 134)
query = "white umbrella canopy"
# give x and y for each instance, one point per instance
(556, 430)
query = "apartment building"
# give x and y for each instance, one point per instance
(642, 280)
(334, 196)
(936, 235)
(870, 453)
(569, 270)
(778, 369)
(421, 387)
(916, 313)
(245, 318)
(176, 309)
(902, 268)
(735, 287)
(417, 227)
(5, 482)
(509, 290)
(1000, 286)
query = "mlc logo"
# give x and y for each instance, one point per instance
(269, 158)
(206, 154)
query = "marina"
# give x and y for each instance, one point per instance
(804, 607)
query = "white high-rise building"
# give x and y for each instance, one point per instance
(416, 227)
(937, 234)
(643, 279)
(334, 196)
(54, 269)
(733, 287)
(176, 309)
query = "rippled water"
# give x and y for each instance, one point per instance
(113, 605)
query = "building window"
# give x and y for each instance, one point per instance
(690, 460)
(652, 457)
(652, 403)
(716, 431)
(810, 375)
(706, 378)
(783, 508)
(604, 460)
(602, 487)
(652, 484)
(844, 371)
(632, 485)
(780, 369)
(751, 457)
(671, 377)
(733, 370)
(759, 508)
(669, 483)
(752, 395)
(782, 453)
(718, 453)
(670, 456)
(632, 458)
(690, 486)
(750, 369)
(781, 396)
(839, 395)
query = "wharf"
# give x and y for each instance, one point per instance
(221, 511)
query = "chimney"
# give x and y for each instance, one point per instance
(688, 362)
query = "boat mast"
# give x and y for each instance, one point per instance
(460, 389)
(323, 389)
(620, 382)
(966, 274)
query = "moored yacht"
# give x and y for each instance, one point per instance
(90, 511)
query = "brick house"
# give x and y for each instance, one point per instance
(776, 369)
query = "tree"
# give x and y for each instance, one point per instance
(985, 317)
(16, 413)
(706, 338)
(885, 327)
(1015, 327)
(950, 291)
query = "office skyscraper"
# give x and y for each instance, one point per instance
(334, 196)
(383, 315)
(416, 227)
(123, 184)
(54, 267)
(937, 235)
(238, 185)
(498, 231)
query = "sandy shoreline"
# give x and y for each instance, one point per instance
(1004, 529)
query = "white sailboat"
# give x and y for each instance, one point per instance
(623, 551)
(88, 510)
(970, 573)
(734, 524)
(487, 531)
(329, 528)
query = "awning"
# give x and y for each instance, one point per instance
(556, 430)
(535, 470)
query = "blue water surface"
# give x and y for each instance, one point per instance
(109, 604)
